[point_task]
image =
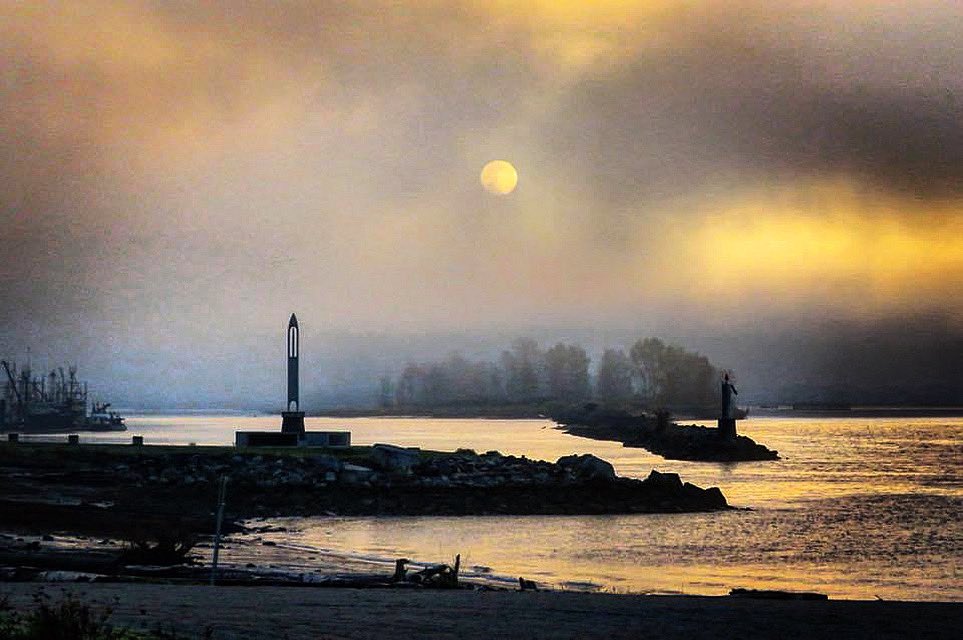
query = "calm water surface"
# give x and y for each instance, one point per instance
(858, 508)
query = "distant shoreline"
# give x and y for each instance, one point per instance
(859, 412)
(542, 413)
(509, 412)
(536, 413)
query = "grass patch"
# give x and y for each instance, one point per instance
(68, 619)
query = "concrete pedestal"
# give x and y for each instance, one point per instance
(727, 428)
(319, 439)
(292, 422)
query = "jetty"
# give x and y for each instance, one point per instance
(660, 436)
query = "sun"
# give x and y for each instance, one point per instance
(499, 177)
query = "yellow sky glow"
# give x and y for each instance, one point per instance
(885, 255)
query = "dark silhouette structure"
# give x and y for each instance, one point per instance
(727, 421)
(292, 432)
(292, 420)
(293, 338)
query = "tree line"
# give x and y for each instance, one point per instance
(652, 374)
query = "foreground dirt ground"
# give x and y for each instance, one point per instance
(229, 613)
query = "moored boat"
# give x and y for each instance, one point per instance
(55, 403)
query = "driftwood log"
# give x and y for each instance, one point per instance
(438, 576)
(526, 585)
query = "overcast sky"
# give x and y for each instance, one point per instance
(176, 178)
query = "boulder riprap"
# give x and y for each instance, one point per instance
(393, 458)
(588, 466)
(180, 483)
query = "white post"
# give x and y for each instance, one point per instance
(221, 496)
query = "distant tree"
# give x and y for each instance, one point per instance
(522, 365)
(410, 389)
(387, 396)
(471, 382)
(455, 380)
(438, 386)
(673, 376)
(578, 372)
(613, 383)
(487, 381)
(566, 369)
(646, 355)
(411, 386)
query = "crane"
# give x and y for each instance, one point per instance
(13, 383)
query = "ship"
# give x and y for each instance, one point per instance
(54, 403)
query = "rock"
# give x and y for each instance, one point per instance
(356, 474)
(395, 459)
(588, 466)
(325, 463)
(715, 498)
(666, 481)
(692, 490)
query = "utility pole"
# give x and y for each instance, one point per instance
(221, 497)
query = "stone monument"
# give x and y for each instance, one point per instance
(292, 432)
(292, 420)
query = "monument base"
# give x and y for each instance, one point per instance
(292, 422)
(319, 439)
(727, 428)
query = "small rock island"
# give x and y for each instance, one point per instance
(660, 436)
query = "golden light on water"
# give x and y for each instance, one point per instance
(499, 177)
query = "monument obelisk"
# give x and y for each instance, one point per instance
(292, 420)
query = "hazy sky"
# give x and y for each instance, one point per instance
(176, 177)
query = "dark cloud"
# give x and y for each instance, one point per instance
(729, 97)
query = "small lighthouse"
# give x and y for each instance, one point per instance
(293, 338)
(292, 420)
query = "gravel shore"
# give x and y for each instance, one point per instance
(302, 613)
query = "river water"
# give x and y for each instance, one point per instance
(857, 508)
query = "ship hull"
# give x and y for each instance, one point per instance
(60, 424)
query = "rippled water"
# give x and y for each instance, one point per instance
(858, 507)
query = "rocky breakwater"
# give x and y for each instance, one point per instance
(397, 481)
(667, 439)
(110, 489)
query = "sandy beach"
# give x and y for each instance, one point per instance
(304, 613)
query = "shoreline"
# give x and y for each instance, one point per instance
(161, 499)
(544, 413)
(229, 613)
(425, 553)
(261, 555)
(355, 481)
